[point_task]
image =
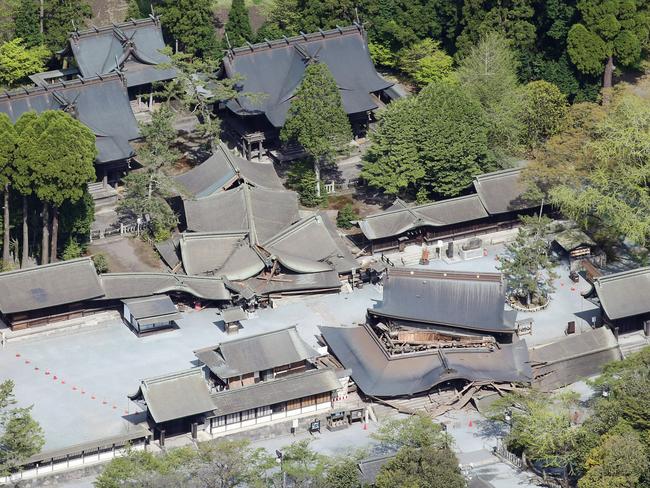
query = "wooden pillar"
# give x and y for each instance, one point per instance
(162, 438)
(151, 100)
(105, 178)
(195, 430)
(248, 150)
(259, 150)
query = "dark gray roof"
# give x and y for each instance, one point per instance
(131, 47)
(370, 467)
(152, 309)
(259, 211)
(102, 104)
(169, 251)
(287, 284)
(220, 254)
(131, 285)
(624, 294)
(467, 300)
(279, 390)
(502, 191)
(276, 69)
(401, 218)
(311, 246)
(176, 395)
(256, 353)
(233, 314)
(378, 373)
(49, 285)
(573, 358)
(221, 170)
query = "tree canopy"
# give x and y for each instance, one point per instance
(17, 61)
(59, 18)
(425, 467)
(191, 23)
(238, 26)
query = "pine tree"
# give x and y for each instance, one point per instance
(59, 17)
(28, 23)
(317, 119)
(133, 11)
(8, 144)
(238, 26)
(191, 23)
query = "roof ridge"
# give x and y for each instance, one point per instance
(62, 85)
(623, 274)
(292, 228)
(109, 28)
(282, 379)
(445, 274)
(421, 206)
(220, 233)
(496, 174)
(173, 375)
(48, 265)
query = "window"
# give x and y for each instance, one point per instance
(278, 407)
(293, 404)
(218, 421)
(324, 398)
(233, 418)
(248, 414)
(264, 411)
(308, 401)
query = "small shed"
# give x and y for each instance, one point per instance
(232, 318)
(575, 244)
(150, 313)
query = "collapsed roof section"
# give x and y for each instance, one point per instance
(256, 353)
(276, 69)
(132, 48)
(465, 300)
(222, 170)
(287, 284)
(100, 103)
(378, 373)
(118, 286)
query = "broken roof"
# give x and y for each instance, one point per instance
(571, 239)
(148, 310)
(624, 294)
(467, 300)
(502, 191)
(41, 287)
(378, 373)
(175, 396)
(132, 47)
(226, 254)
(311, 246)
(221, 170)
(259, 211)
(131, 285)
(276, 68)
(290, 387)
(100, 103)
(256, 353)
(287, 284)
(401, 218)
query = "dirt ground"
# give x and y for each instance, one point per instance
(126, 254)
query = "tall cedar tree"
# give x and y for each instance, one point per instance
(27, 20)
(609, 30)
(437, 140)
(238, 26)
(20, 435)
(191, 23)
(316, 119)
(8, 143)
(59, 16)
(133, 11)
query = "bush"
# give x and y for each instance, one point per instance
(345, 216)
(72, 250)
(101, 263)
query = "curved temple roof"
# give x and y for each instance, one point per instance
(276, 68)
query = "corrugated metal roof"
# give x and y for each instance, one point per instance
(468, 300)
(256, 353)
(279, 390)
(132, 47)
(276, 69)
(624, 294)
(102, 104)
(176, 395)
(49, 285)
(378, 373)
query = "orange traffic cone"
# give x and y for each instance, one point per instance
(470, 423)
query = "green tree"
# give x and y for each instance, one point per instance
(27, 27)
(20, 435)
(316, 119)
(303, 466)
(381, 55)
(414, 431)
(8, 146)
(425, 467)
(133, 11)
(76, 219)
(191, 23)
(72, 250)
(238, 26)
(489, 75)
(609, 30)
(18, 61)
(345, 216)
(425, 63)
(437, 140)
(301, 178)
(544, 112)
(101, 263)
(343, 473)
(527, 264)
(59, 16)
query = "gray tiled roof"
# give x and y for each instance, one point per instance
(401, 218)
(222, 169)
(378, 373)
(468, 300)
(131, 47)
(151, 307)
(48, 286)
(502, 191)
(176, 395)
(370, 467)
(131, 285)
(279, 390)
(624, 294)
(260, 211)
(102, 104)
(277, 68)
(288, 283)
(256, 353)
